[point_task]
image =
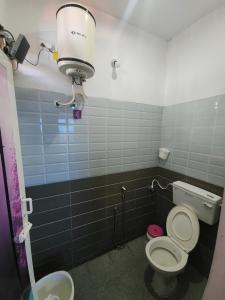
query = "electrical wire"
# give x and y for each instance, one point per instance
(5, 30)
(161, 187)
(38, 57)
(16, 66)
(10, 34)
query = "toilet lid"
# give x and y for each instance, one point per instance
(183, 227)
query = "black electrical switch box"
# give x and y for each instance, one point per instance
(20, 48)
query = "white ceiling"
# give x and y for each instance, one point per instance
(165, 18)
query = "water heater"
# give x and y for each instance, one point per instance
(76, 48)
(75, 40)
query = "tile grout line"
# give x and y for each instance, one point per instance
(42, 135)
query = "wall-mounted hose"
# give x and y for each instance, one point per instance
(120, 244)
(123, 198)
(78, 95)
(115, 215)
(151, 187)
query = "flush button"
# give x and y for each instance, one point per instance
(208, 205)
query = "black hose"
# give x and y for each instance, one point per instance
(115, 221)
(123, 198)
(115, 226)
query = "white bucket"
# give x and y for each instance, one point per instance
(149, 237)
(55, 286)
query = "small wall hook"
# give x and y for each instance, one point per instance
(115, 64)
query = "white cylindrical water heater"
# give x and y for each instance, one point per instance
(76, 40)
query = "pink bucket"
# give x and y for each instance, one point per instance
(154, 231)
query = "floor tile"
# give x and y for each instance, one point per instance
(101, 270)
(125, 274)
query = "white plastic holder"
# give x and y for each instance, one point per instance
(28, 201)
(24, 237)
(24, 233)
(164, 153)
(28, 209)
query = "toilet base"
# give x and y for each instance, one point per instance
(163, 286)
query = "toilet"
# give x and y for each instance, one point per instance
(168, 255)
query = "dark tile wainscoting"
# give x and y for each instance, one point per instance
(73, 221)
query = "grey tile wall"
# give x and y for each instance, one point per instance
(73, 220)
(195, 134)
(111, 137)
(118, 136)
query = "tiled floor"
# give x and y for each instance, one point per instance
(125, 275)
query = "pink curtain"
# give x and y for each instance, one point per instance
(215, 288)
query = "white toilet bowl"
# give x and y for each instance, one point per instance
(165, 256)
(168, 255)
(167, 260)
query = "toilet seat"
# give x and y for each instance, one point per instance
(182, 227)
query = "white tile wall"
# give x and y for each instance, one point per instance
(195, 134)
(111, 137)
(117, 136)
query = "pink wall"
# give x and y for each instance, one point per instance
(7, 125)
(216, 284)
